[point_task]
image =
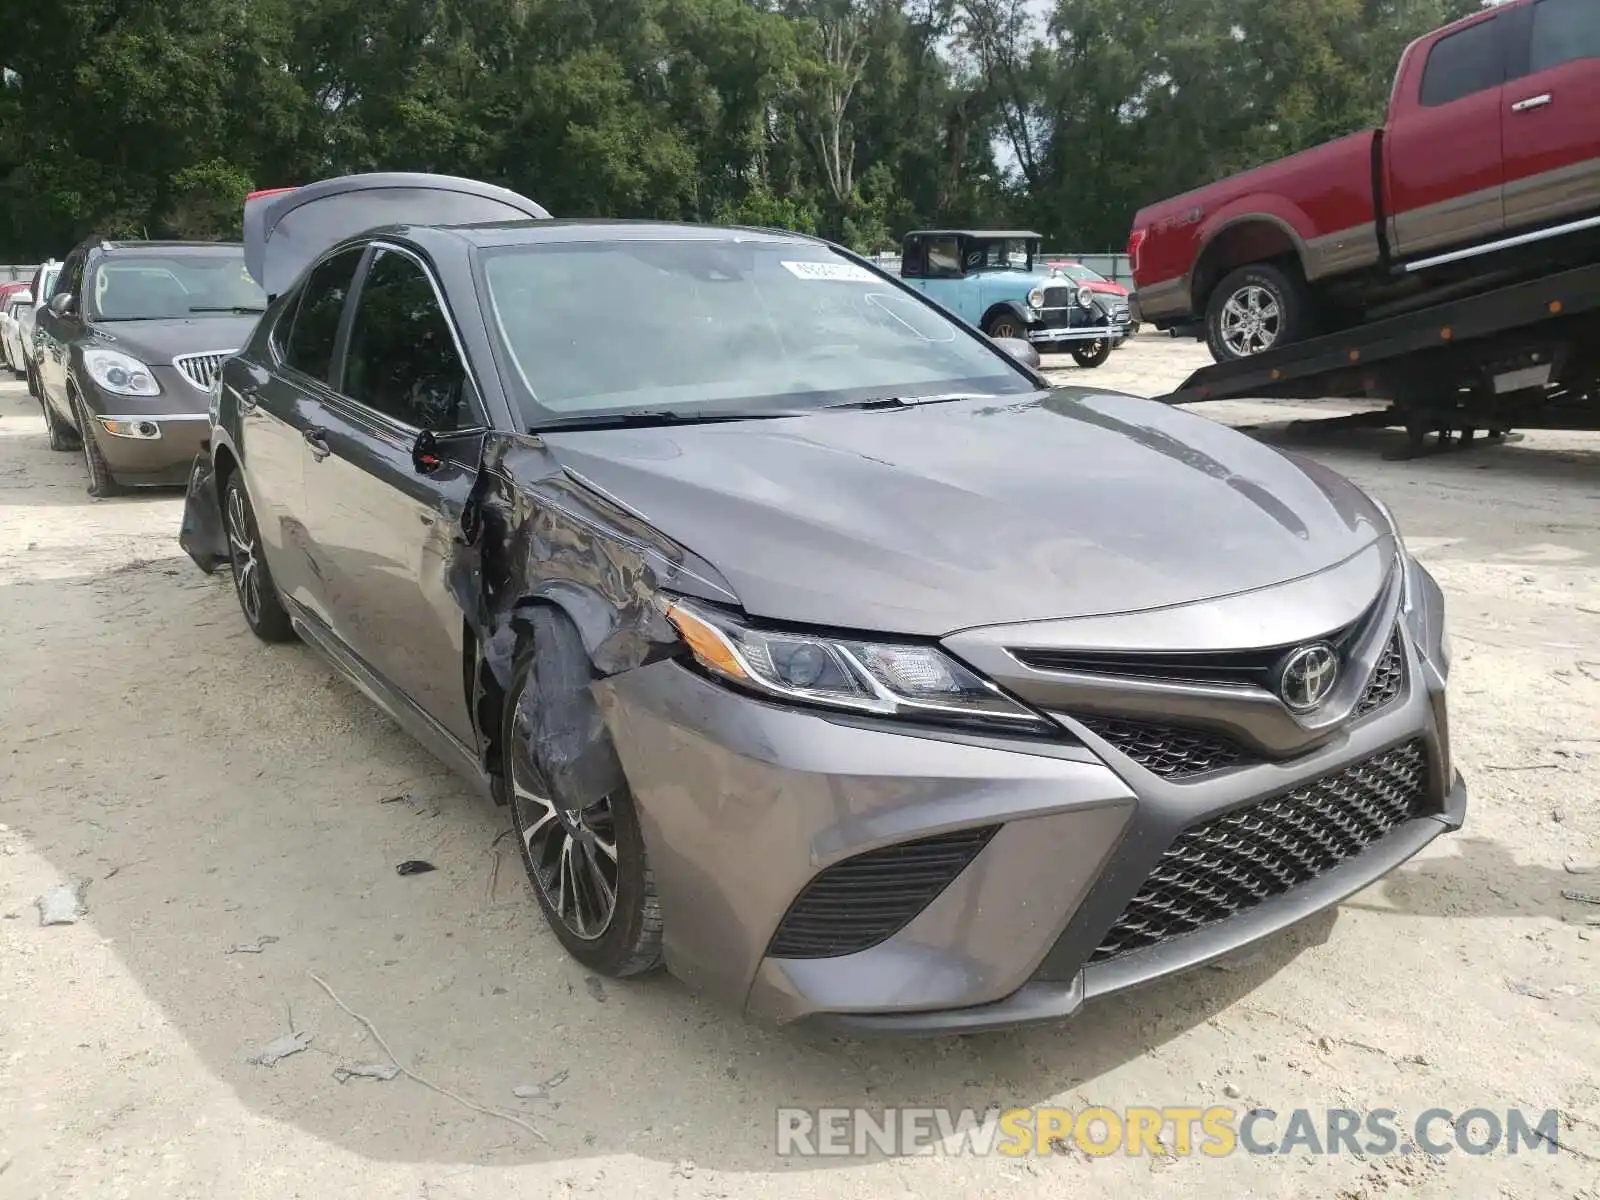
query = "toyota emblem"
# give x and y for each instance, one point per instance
(1308, 677)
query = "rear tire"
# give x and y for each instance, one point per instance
(1255, 309)
(575, 817)
(33, 380)
(252, 578)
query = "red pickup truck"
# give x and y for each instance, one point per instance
(1492, 141)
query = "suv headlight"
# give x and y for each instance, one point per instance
(885, 678)
(117, 372)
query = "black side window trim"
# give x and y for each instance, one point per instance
(291, 313)
(478, 411)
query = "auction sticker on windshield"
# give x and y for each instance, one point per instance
(837, 272)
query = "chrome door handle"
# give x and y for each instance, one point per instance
(1531, 102)
(315, 438)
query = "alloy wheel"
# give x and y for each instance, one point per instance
(1251, 321)
(571, 853)
(245, 555)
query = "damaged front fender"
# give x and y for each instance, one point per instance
(201, 535)
(533, 534)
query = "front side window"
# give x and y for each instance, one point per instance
(174, 286)
(313, 323)
(1563, 31)
(402, 360)
(999, 255)
(724, 325)
(1464, 64)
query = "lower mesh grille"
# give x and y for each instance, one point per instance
(1168, 751)
(1235, 861)
(855, 904)
(1388, 677)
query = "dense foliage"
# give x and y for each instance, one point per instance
(856, 118)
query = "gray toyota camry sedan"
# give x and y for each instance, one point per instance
(821, 650)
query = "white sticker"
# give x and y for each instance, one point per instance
(837, 272)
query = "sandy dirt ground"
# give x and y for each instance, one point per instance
(214, 791)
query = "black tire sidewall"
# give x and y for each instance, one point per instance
(1004, 319)
(552, 660)
(274, 624)
(1084, 358)
(101, 482)
(1290, 294)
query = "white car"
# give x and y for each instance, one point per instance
(12, 347)
(44, 282)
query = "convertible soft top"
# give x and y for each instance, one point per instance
(285, 228)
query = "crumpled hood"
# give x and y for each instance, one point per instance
(950, 515)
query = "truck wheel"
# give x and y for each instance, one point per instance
(1091, 354)
(1255, 309)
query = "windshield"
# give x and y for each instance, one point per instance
(1002, 254)
(703, 326)
(1081, 273)
(133, 287)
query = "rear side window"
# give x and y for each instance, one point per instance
(308, 346)
(402, 360)
(1563, 31)
(1463, 64)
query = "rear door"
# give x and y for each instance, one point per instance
(277, 408)
(1446, 176)
(1550, 121)
(382, 520)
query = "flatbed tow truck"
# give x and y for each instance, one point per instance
(1524, 355)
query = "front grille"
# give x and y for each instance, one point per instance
(1170, 752)
(1233, 862)
(1388, 677)
(1057, 297)
(862, 901)
(202, 369)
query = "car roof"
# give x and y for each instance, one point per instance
(597, 229)
(976, 233)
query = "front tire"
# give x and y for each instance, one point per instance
(1256, 309)
(252, 578)
(62, 435)
(101, 482)
(1005, 325)
(574, 814)
(1091, 354)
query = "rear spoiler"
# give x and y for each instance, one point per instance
(285, 229)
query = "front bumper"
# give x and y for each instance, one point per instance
(1092, 333)
(744, 804)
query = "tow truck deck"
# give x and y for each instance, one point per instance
(1525, 355)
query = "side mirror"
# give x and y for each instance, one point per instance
(63, 303)
(1023, 352)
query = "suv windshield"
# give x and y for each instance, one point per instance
(718, 325)
(153, 287)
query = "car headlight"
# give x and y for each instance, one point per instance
(117, 372)
(885, 678)
(1036, 298)
(1085, 297)
(214, 400)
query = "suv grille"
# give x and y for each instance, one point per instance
(202, 369)
(1170, 752)
(1388, 677)
(857, 903)
(1233, 862)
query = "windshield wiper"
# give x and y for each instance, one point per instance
(875, 403)
(227, 308)
(644, 420)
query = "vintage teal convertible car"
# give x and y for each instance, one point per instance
(990, 278)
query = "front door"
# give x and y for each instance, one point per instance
(1550, 120)
(275, 411)
(56, 335)
(1446, 174)
(382, 525)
